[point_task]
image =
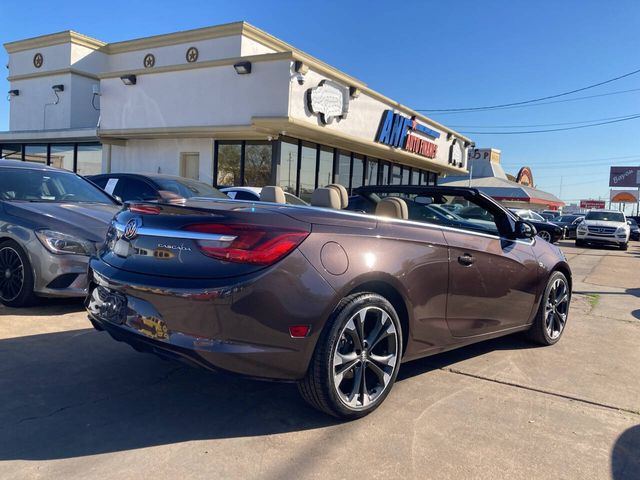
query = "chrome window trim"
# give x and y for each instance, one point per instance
(181, 234)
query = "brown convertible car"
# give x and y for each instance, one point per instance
(329, 298)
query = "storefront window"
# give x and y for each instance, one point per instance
(396, 175)
(11, 151)
(371, 174)
(344, 168)
(288, 168)
(358, 171)
(89, 159)
(307, 170)
(229, 164)
(415, 177)
(35, 153)
(257, 164)
(405, 175)
(325, 169)
(384, 173)
(62, 156)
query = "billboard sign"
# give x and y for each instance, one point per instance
(589, 204)
(624, 196)
(624, 177)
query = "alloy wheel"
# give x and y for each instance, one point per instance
(556, 308)
(11, 274)
(543, 234)
(365, 357)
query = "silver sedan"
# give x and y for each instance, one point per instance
(51, 222)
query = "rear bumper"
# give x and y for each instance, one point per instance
(238, 325)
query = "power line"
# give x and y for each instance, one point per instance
(544, 124)
(533, 100)
(586, 97)
(521, 132)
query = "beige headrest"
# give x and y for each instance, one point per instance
(326, 197)
(393, 207)
(342, 192)
(272, 194)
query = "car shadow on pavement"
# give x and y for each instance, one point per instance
(46, 307)
(79, 393)
(625, 457)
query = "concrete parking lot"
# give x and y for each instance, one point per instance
(74, 404)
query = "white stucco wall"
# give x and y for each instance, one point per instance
(147, 156)
(212, 49)
(251, 47)
(54, 57)
(88, 60)
(82, 112)
(26, 110)
(199, 97)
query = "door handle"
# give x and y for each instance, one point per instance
(466, 260)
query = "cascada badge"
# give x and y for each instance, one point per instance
(403, 132)
(328, 100)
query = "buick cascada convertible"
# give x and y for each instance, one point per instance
(331, 299)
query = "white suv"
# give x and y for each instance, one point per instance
(603, 227)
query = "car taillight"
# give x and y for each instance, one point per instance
(256, 244)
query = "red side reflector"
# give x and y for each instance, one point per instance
(147, 209)
(299, 331)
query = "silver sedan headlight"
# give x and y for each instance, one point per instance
(62, 243)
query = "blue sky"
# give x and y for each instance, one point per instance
(430, 55)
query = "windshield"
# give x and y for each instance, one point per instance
(187, 188)
(566, 218)
(21, 184)
(605, 216)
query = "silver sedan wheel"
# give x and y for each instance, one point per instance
(543, 234)
(365, 357)
(556, 308)
(11, 274)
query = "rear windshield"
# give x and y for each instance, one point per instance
(188, 188)
(605, 216)
(20, 184)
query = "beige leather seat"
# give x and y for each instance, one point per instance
(326, 198)
(342, 192)
(393, 207)
(272, 194)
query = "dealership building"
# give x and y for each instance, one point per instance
(228, 105)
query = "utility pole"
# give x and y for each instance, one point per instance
(560, 196)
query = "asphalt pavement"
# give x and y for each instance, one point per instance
(74, 404)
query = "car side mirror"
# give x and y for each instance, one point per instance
(628, 222)
(525, 230)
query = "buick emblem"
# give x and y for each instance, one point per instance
(131, 228)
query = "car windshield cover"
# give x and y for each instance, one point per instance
(188, 188)
(19, 184)
(605, 216)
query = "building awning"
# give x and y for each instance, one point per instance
(505, 190)
(50, 136)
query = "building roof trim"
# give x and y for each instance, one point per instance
(67, 36)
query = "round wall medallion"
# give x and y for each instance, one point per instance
(149, 60)
(192, 54)
(38, 60)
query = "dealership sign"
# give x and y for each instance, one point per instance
(328, 100)
(624, 196)
(592, 204)
(406, 133)
(624, 177)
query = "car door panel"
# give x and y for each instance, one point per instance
(496, 290)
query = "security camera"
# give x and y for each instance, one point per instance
(300, 79)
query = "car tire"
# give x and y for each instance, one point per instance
(624, 246)
(370, 357)
(16, 276)
(543, 234)
(551, 318)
